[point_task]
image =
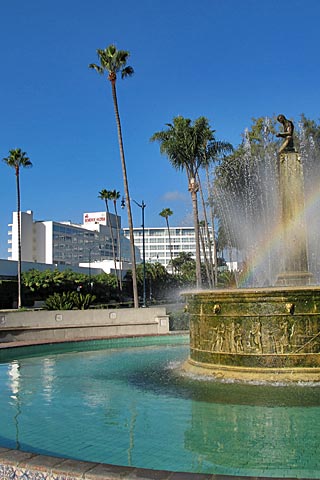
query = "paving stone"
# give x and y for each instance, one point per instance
(190, 476)
(108, 472)
(3, 450)
(43, 463)
(72, 468)
(149, 474)
(14, 457)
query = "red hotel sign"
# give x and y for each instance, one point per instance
(96, 218)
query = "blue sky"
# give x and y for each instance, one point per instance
(229, 60)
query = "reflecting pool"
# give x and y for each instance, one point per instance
(130, 406)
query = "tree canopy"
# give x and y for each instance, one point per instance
(112, 61)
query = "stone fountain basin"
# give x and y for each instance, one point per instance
(270, 334)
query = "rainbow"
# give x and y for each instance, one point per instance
(310, 209)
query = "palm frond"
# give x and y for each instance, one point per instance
(113, 61)
(17, 158)
(97, 68)
(103, 194)
(127, 72)
(111, 50)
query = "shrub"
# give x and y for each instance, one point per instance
(60, 301)
(178, 320)
(69, 301)
(83, 301)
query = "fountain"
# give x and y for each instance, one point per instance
(268, 333)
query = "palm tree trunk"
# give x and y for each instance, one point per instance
(193, 188)
(215, 248)
(170, 244)
(19, 240)
(205, 256)
(208, 237)
(214, 241)
(119, 245)
(126, 189)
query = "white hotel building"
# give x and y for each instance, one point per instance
(71, 244)
(157, 243)
(66, 243)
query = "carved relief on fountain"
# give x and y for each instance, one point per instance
(284, 332)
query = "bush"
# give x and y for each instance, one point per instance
(39, 285)
(178, 320)
(83, 301)
(59, 301)
(69, 301)
(227, 279)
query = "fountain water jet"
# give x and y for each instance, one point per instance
(265, 334)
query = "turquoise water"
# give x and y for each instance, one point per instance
(129, 406)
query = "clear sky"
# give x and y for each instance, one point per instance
(229, 60)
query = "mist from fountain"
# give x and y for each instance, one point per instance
(267, 199)
(250, 206)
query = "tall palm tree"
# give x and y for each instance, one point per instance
(113, 61)
(183, 143)
(114, 196)
(18, 159)
(213, 151)
(206, 237)
(203, 226)
(106, 195)
(166, 213)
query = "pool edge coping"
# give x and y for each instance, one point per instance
(17, 463)
(30, 343)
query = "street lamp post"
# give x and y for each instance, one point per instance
(143, 206)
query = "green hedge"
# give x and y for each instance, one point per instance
(178, 320)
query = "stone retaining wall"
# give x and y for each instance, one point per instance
(63, 325)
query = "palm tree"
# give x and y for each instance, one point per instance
(206, 238)
(166, 213)
(106, 195)
(203, 230)
(18, 159)
(114, 196)
(183, 143)
(113, 61)
(184, 265)
(213, 151)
